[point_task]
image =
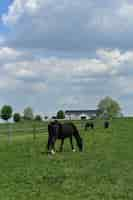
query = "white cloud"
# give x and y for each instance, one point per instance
(43, 73)
(20, 67)
(95, 34)
(7, 53)
(70, 24)
(126, 11)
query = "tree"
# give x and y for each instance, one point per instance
(109, 108)
(16, 117)
(60, 114)
(45, 117)
(6, 112)
(28, 113)
(38, 118)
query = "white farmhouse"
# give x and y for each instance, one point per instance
(78, 114)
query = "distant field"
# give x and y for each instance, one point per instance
(104, 171)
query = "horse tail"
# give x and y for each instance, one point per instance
(79, 140)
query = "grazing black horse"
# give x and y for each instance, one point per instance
(89, 125)
(60, 131)
(106, 124)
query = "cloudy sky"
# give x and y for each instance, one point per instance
(66, 54)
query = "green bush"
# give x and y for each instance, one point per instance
(60, 114)
(38, 118)
(16, 117)
(6, 112)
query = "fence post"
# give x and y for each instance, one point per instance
(34, 131)
(82, 123)
(9, 132)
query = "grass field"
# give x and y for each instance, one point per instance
(104, 171)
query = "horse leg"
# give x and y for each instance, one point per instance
(71, 142)
(61, 145)
(48, 145)
(53, 146)
(92, 126)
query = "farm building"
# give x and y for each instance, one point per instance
(78, 114)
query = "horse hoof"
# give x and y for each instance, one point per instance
(74, 150)
(52, 152)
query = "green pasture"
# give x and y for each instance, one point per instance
(103, 171)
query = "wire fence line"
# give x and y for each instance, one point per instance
(25, 130)
(28, 130)
(10, 130)
(22, 130)
(44, 128)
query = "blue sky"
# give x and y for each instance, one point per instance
(4, 5)
(66, 54)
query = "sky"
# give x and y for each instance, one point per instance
(66, 54)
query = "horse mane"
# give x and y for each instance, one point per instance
(53, 123)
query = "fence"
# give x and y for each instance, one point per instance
(11, 130)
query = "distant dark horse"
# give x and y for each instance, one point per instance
(60, 131)
(106, 124)
(89, 125)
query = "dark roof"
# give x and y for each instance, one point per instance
(78, 112)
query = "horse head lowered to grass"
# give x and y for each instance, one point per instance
(56, 130)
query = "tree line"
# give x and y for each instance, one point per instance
(107, 107)
(6, 113)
